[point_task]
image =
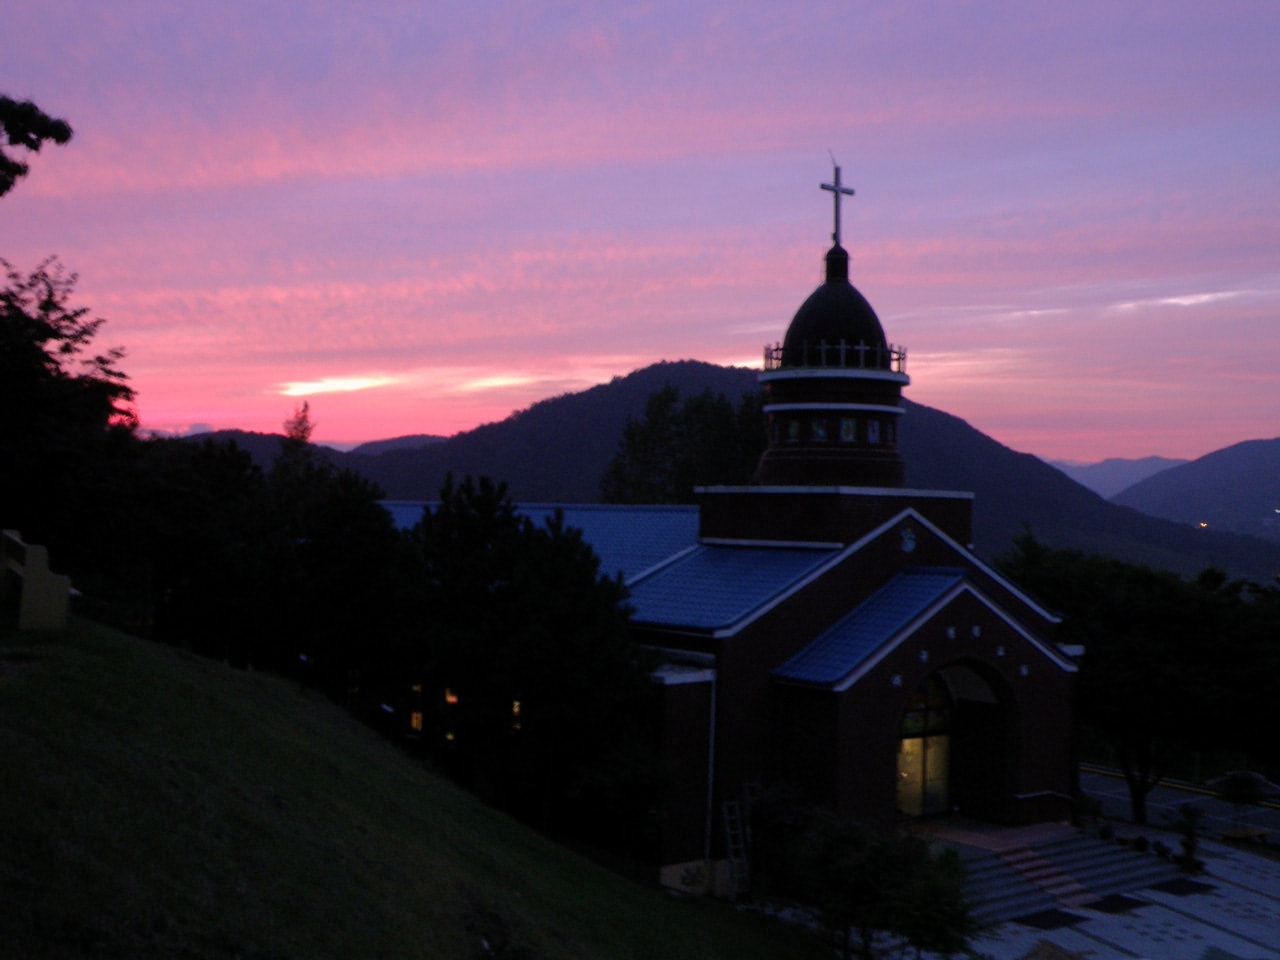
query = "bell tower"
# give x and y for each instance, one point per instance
(833, 387)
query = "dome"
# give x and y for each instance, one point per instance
(834, 312)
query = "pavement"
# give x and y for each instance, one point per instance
(1230, 911)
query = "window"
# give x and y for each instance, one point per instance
(873, 431)
(793, 431)
(818, 430)
(848, 430)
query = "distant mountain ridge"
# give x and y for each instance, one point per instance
(1236, 489)
(557, 449)
(1108, 477)
(411, 442)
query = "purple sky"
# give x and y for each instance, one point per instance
(420, 216)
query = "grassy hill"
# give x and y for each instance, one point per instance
(157, 804)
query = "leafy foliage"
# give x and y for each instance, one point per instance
(530, 641)
(677, 446)
(1170, 666)
(63, 401)
(25, 125)
(861, 881)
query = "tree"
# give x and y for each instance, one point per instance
(530, 641)
(66, 403)
(861, 881)
(1165, 669)
(678, 446)
(25, 125)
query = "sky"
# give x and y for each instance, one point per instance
(419, 217)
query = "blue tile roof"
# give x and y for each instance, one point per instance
(841, 649)
(630, 539)
(717, 586)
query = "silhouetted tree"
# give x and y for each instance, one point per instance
(1167, 669)
(67, 404)
(677, 446)
(25, 125)
(860, 881)
(531, 643)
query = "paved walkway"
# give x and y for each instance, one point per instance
(1231, 911)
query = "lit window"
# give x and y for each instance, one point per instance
(415, 720)
(450, 696)
(515, 708)
(416, 688)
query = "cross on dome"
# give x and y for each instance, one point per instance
(837, 188)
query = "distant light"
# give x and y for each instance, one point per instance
(1203, 525)
(387, 708)
(450, 696)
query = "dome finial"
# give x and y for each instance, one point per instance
(837, 188)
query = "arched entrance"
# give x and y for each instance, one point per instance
(953, 746)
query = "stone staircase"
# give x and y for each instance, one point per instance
(1063, 872)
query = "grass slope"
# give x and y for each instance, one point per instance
(156, 804)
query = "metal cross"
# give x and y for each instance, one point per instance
(837, 188)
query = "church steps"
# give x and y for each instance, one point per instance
(1073, 871)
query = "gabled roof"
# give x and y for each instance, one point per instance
(716, 587)
(628, 539)
(847, 650)
(872, 624)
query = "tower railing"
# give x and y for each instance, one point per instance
(841, 355)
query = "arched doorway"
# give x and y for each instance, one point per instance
(953, 746)
(924, 750)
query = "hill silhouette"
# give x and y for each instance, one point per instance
(1108, 477)
(1236, 488)
(1017, 490)
(557, 449)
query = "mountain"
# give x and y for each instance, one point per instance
(1236, 489)
(263, 448)
(412, 442)
(1108, 477)
(1016, 490)
(557, 449)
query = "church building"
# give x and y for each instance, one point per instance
(832, 629)
(827, 627)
